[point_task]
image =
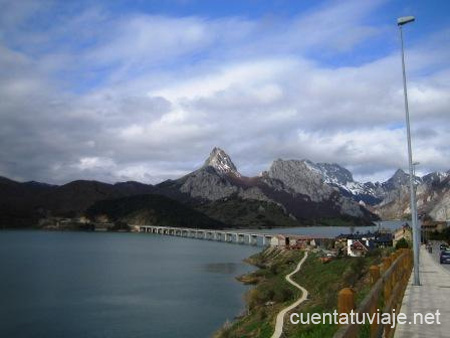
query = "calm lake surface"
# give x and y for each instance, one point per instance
(75, 285)
(108, 285)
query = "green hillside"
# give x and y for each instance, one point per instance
(152, 210)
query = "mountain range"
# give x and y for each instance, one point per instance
(289, 193)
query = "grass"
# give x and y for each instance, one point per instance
(324, 281)
(272, 293)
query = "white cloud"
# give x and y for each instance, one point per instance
(89, 163)
(146, 97)
(143, 39)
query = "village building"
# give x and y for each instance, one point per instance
(357, 248)
(279, 241)
(298, 242)
(370, 241)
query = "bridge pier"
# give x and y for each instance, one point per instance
(211, 235)
(220, 237)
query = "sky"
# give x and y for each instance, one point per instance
(143, 90)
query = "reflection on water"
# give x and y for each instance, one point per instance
(225, 268)
(97, 285)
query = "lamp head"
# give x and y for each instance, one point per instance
(404, 20)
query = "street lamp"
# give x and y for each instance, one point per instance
(420, 232)
(400, 22)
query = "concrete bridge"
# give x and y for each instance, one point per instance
(208, 234)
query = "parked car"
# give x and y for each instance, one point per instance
(443, 246)
(444, 257)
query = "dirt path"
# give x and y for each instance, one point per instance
(280, 317)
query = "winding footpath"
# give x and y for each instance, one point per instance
(280, 317)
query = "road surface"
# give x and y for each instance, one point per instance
(435, 254)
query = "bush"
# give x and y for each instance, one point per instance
(283, 295)
(441, 236)
(354, 271)
(375, 253)
(259, 296)
(262, 315)
(402, 244)
(273, 269)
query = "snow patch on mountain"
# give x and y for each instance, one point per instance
(221, 162)
(342, 180)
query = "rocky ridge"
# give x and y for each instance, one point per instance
(290, 192)
(295, 186)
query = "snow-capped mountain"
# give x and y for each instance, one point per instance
(432, 195)
(221, 162)
(389, 199)
(342, 179)
(436, 178)
(289, 193)
(302, 186)
(298, 187)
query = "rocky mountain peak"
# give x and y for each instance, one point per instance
(436, 177)
(400, 174)
(303, 177)
(221, 162)
(399, 180)
(334, 173)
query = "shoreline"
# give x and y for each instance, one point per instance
(271, 293)
(254, 279)
(90, 227)
(271, 266)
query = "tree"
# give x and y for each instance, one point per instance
(402, 244)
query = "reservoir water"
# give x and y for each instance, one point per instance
(111, 285)
(108, 285)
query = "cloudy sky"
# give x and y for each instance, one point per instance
(140, 90)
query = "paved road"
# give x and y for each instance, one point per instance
(280, 317)
(432, 295)
(435, 255)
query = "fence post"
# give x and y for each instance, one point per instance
(374, 274)
(386, 263)
(346, 304)
(398, 278)
(346, 300)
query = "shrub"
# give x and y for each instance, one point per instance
(283, 295)
(402, 244)
(354, 271)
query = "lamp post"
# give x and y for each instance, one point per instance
(401, 22)
(420, 232)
